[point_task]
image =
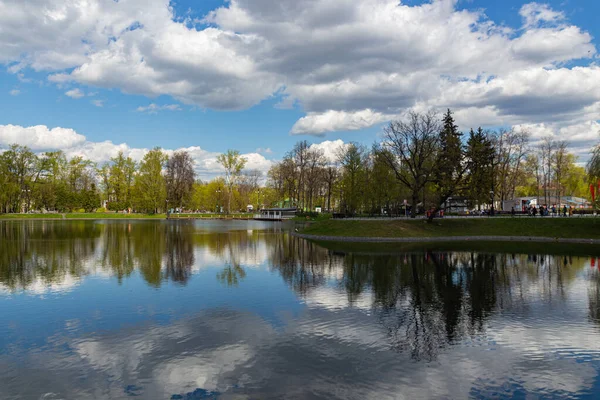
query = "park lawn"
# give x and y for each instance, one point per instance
(30, 216)
(109, 215)
(573, 227)
(113, 216)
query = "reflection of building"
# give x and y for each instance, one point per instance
(275, 214)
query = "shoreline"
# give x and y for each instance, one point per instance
(491, 238)
(126, 219)
(163, 217)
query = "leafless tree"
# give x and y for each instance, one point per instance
(511, 149)
(180, 177)
(561, 164)
(412, 146)
(249, 182)
(330, 177)
(315, 163)
(546, 151)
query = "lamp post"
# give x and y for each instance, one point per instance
(424, 184)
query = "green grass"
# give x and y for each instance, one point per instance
(574, 227)
(110, 215)
(30, 216)
(113, 216)
(312, 217)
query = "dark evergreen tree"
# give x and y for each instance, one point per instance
(450, 163)
(480, 151)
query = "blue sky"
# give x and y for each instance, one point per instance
(251, 73)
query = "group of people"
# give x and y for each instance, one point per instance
(544, 211)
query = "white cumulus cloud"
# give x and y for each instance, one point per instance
(154, 108)
(319, 123)
(39, 137)
(75, 93)
(348, 64)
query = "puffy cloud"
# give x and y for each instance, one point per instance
(331, 149)
(39, 137)
(15, 92)
(42, 138)
(535, 13)
(318, 123)
(581, 137)
(349, 64)
(75, 93)
(154, 108)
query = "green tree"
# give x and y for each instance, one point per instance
(20, 169)
(149, 183)
(233, 163)
(351, 159)
(450, 165)
(479, 154)
(575, 182)
(118, 180)
(52, 171)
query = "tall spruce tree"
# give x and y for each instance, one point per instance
(479, 155)
(450, 163)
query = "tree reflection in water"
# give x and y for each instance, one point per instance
(594, 293)
(426, 301)
(44, 252)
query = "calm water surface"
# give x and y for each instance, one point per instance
(242, 310)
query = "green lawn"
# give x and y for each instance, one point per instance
(573, 227)
(30, 216)
(109, 215)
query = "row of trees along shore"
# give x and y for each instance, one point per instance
(423, 159)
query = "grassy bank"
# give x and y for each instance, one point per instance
(116, 216)
(580, 228)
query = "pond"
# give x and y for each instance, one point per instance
(244, 310)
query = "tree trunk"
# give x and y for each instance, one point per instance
(415, 199)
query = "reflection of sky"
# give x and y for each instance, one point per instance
(318, 353)
(105, 339)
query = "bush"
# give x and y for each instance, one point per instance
(101, 210)
(313, 216)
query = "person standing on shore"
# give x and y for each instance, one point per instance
(565, 210)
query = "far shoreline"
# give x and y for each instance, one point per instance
(120, 216)
(547, 230)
